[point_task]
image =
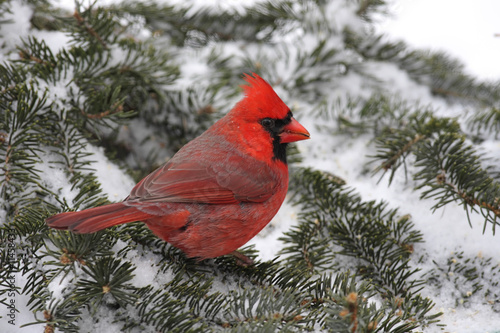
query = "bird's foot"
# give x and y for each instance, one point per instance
(241, 259)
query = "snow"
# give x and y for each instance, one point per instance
(467, 30)
(17, 25)
(468, 33)
(114, 182)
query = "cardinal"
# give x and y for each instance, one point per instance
(219, 190)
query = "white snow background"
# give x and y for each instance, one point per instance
(464, 29)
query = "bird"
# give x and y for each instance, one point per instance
(219, 190)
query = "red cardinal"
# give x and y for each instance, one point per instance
(219, 190)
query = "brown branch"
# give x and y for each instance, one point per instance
(308, 261)
(390, 162)
(471, 200)
(474, 201)
(26, 55)
(117, 107)
(305, 248)
(441, 91)
(81, 21)
(96, 116)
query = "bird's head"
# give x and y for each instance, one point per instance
(264, 114)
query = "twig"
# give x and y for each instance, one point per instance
(81, 21)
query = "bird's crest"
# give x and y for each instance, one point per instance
(261, 99)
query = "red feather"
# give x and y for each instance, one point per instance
(211, 178)
(95, 219)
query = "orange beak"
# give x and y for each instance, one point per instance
(294, 131)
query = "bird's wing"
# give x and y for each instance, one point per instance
(212, 183)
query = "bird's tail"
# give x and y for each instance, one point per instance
(95, 219)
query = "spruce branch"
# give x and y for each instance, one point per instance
(61, 314)
(266, 305)
(399, 154)
(39, 58)
(256, 24)
(82, 22)
(20, 125)
(106, 276)
(367, 7)
(380, 242)
(485, 120)
(450, 170)
(444, 74)
(92, 27)
(79, 249)
(394, 145)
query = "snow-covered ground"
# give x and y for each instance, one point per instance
(465, 30)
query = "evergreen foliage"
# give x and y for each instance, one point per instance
(348, 265)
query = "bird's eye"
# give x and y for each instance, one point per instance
(267, 122)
